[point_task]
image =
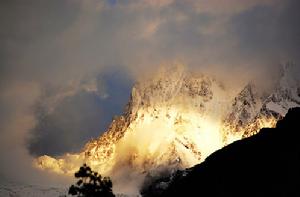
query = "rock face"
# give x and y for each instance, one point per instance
(163, 123)
(251, 111)
(174, 121)
(266, 164)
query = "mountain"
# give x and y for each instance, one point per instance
(173, 121)
(266, 164)
(251, 110)
(167, 115)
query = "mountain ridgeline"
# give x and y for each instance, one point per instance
(174, 120)
(266, 164)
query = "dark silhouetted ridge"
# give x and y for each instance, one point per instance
(267, 164)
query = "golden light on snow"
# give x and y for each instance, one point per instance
(151, 140)
(173, 121)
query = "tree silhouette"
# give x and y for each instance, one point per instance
(91, 184)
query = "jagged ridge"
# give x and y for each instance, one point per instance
(175, 120)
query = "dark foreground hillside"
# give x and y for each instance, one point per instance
(267, 164)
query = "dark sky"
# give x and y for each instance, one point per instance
(67, 66)
(79, 117)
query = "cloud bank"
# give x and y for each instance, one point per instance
(67, 66)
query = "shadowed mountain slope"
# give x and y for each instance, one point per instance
(266, 164)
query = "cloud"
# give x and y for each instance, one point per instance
(60, 55)
(268, 32)
(74, 116)
(228, 8)
(16, 120)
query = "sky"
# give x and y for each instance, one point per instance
(67, 66)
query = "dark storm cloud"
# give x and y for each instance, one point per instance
(75, 120)
(272, 33)
(79, 117)
(25, 24)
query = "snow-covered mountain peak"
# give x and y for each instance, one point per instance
(173, 121)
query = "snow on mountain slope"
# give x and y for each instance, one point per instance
(174, 121)
(250, 111)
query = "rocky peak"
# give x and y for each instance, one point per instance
(174, 121)
(250, 111)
